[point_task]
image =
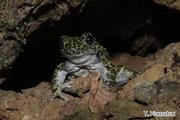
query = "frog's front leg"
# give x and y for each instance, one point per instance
(58, 80)
(101, 70)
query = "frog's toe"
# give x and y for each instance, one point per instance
(67, 85)
(58, 90)
(59, 94)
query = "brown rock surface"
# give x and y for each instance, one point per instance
(164, 66)
(31, 104)
(175, 4)
(124, 109)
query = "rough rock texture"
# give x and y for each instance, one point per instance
(158, 85)
(31, 104)
(156, 88)
(175, 4)
(164, 66)
(124, 109)
(19, 19)
(82, 113)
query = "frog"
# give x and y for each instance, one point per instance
(83, 55)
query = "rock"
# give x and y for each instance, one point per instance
(82, 112)
(156, 88)
(37, 104)
(99, 95)
(124, 109)
(136, 62)
(145, 93)
(80, 86)
(175, 4)
(31, 104)
(150, 94)
(167, 98)
(164, 66)
(170, 57)
(147, 78)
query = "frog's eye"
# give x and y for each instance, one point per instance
(88, 38)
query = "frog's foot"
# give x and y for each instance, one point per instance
(123, 76)
(57, 89)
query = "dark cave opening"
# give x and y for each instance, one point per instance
(119, 25)
(122, 25)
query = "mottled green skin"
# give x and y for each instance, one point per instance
(74, 46)
(79, 47)
(59, 67)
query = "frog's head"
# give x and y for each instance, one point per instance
(77, 46)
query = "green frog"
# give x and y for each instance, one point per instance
(84, 54)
